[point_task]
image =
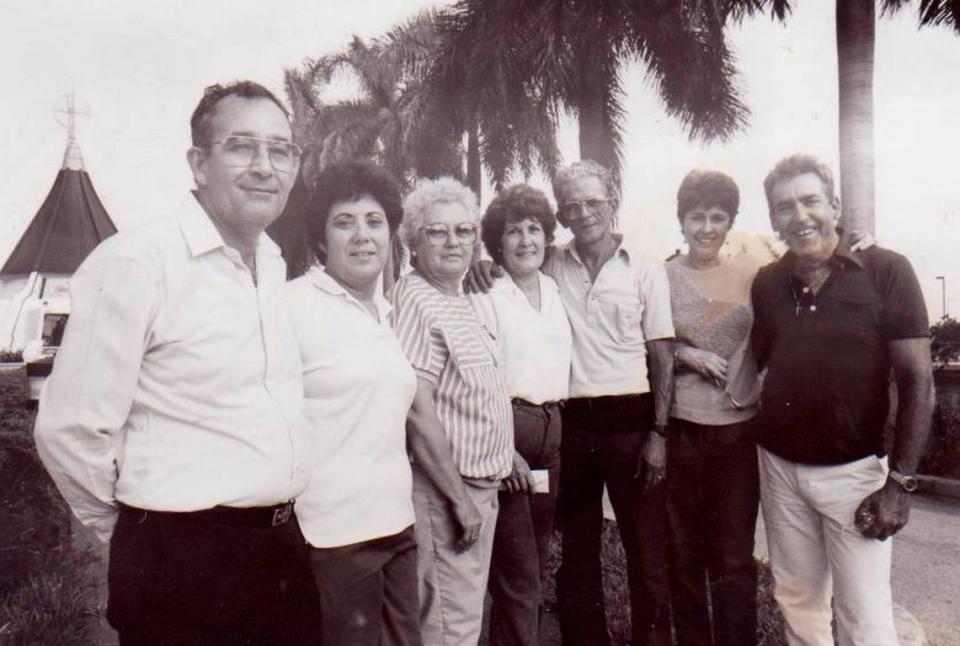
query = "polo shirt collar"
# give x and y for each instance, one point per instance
(202, 236)
(571, 249)
(323, 281)
(842, 255)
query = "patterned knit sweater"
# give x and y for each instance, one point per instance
(711, 311)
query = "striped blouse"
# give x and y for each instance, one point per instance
(450, 348)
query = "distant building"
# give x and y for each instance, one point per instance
(34, 281)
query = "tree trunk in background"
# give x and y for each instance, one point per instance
(856, 26)
(597, 134)
(474, 179)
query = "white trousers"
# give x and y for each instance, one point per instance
(816, 552)
(452, 585)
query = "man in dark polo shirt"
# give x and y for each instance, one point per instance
(830, 323)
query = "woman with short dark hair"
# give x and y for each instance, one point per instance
(524, 311)
(357, 512)
(712, 481)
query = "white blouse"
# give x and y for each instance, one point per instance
(358, 388)
(536, 346)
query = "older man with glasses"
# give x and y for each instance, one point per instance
(615, 422)
(172, 420)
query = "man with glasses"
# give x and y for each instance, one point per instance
(614, 424)
(172, 420)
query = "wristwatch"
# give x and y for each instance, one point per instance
(661, 430)
(907, 483)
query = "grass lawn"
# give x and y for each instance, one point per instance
(42, 580)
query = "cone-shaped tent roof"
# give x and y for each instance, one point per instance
(69, 224)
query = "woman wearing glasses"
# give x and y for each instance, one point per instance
(461, 389)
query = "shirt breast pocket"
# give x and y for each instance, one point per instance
(628, 323)
(470, 349)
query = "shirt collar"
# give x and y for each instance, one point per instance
(841, 256)
(323, 281)
(202, 235)
(570, 249)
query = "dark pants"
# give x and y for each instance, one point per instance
(524, 527)
(179, 580)
(368, 591)
(712, 496)
(602, 441)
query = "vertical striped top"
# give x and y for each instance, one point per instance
(450, 348)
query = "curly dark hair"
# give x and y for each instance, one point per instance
(345, 181)
(518, 202)
(213, 94)
(708, 188)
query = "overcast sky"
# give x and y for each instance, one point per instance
(140, 68)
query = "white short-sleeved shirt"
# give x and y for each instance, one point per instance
(612, 319)
(358, 388)
(535, 345)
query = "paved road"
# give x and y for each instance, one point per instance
(926, 567)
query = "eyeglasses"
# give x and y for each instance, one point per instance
(577, 208)
(437, 234)
(243, 151)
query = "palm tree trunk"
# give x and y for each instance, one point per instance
(474, 179)
(856, 23)
(597, 137)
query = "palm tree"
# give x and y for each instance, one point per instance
(856, 23)
(514, 65)
(389, 121)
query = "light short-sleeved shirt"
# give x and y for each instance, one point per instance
(358, 388)
(450, 347)
(535, 345)
(178, 386)
(612, 318)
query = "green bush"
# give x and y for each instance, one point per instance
(942, 457)
(770, 631)
(11, 356)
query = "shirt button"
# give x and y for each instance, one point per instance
(806, 290)
(813, 308)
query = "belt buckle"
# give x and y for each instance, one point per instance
(281, 515)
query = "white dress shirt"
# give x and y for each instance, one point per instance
(612, 318)
(358, 387)
(178, 386)
(535, 345)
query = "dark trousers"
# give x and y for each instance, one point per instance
(178, 580)
(368, 592)
(602, 441)
(524, 527)
(712, 497)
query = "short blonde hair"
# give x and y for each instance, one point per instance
(425, 195)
